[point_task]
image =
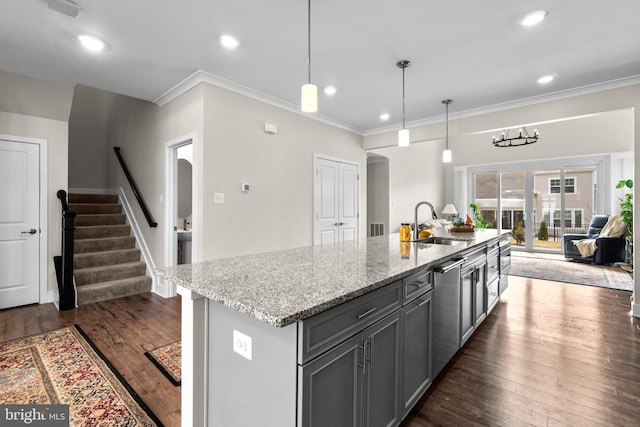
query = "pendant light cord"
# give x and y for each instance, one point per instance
(403, 127)
(446, 103)
(309, 38)
(447, 120)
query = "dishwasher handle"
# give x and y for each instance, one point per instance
(449, 265)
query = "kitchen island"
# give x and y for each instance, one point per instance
(257, 330)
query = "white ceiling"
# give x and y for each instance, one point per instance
(474, 52)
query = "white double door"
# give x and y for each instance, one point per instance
(19, 223)
(336, 201)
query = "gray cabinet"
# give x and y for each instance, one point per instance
(381, 373)
(473, 300)
(505, 264)
(356, 383)
(418, 354)
(479, 294)
(467, 302)
(332, 387)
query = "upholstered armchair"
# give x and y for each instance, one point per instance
(609, 249)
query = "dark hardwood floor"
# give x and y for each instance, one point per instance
(550, 354)
(123, 329)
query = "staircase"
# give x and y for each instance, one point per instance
(106, 262)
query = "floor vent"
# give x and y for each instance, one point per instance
(376, 229)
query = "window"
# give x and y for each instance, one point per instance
(578, 219)
(569, 185)
(572, 218)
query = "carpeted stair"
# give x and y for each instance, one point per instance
(106, 262)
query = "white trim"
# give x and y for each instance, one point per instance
(635, 309)
(317, 157)
(140, 242)
(170, 208)
(194, 390)
(554, 96)
(45, 295)
(203, 77)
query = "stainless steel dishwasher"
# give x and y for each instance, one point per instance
(446, 313)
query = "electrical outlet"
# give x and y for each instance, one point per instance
(218, 198)
(242, 344)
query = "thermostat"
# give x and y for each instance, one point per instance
(246, 188)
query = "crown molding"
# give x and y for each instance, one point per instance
(203, 77)
(554, 96)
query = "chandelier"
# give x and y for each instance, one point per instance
(523, 138)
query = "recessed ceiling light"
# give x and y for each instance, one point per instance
(330, 90)
(384, 116)
(91, 43)
(534, 18)
(229, 42)
(546, 79)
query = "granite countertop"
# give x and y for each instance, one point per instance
(286, 286)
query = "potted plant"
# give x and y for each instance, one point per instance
(478, 220)
(626, 213)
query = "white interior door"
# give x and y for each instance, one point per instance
(19, 223)
(336, 201)
(348, 202)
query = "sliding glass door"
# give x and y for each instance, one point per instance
(539, 204)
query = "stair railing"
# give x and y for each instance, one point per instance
(64, 263)
(134, 187)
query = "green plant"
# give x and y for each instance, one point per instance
(543, 232)
(518, 231)
(478, 221)
(626, 205)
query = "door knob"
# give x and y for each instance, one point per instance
(32, 231)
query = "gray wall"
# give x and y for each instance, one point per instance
(88, 137)
(378, 192)
(230, 148)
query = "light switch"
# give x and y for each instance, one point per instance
(242, 344)
(218, 198)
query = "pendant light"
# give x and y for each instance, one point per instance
(403, 134)
(446, 153)
(309, 98)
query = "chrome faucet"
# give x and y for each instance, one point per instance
(415, 217)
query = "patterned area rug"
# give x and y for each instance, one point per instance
(64, 367)
(168, 359)
(561, 270)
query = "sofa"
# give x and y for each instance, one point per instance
(609, 249)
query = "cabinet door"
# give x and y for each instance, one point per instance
(467, 320)
(417, 373)
(381, 379)
(331, 387)
(479, 293)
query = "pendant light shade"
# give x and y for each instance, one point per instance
(446, 153)
(403, 134)
(309, 92)
(309, 101)
(446, 156)
(403, 138)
